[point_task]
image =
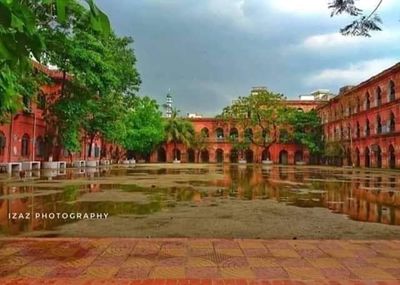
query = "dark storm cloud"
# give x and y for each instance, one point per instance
(211, 51)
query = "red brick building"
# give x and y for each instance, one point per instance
(364, 120)
(219, 148)
(22, 138)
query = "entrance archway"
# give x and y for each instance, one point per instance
(283, 157)
(191, 155)
(349, 158)
(219, 156)
(392, 157)
(357, 157)
(161, 155)
(367, 157)
(298, 156)
(205, 156)
(266, 155)
(378, 156)
(176, 154)
(234, 156)
(249, 156)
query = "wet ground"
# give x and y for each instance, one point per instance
(230, 201)
(198, 261)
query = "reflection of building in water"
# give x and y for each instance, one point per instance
(361, 197)
(352, 198)
(33, 203)
(366, 204)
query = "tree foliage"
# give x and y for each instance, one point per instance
(273, 122)
(263, 111)
(198, 142)
(21, 37)
(306, 129)
(363, 24)
(178, 130)
(144, 126)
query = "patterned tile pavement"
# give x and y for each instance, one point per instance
(198, 261)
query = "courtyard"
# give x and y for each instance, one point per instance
(204, 223)
(204, 201)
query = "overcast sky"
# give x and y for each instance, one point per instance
(208, 52)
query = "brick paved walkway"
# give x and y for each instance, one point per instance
(198, 261)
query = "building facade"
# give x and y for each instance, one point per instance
(364, 120)
(22, 137)
(220, 149)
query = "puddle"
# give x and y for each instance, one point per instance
(135, 193)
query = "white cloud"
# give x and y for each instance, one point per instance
(337, 40)
(352, 74)
(301, 7)
(308, 7)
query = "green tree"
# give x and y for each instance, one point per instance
(241, 146)
(144, 126)
(262, 111)
(306, 129)
(178, 130)
(334, 152)
(96, 82)
(198, 143)
(20, 37)
(363, 23)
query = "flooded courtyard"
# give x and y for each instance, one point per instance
(195, 200)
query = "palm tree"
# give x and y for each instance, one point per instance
(199, 143)
(178, 130)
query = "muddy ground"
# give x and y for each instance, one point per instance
(212, 217)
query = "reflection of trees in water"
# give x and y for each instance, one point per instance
(346, 192)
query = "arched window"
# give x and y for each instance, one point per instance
(358, 132)
(392, 123)
(358, 105)
(41, 101)
(367, 128)
(40, 147)
(2, 143)
(378, 96)
(392, 91)
(367, 101)
(26, 100)
(219, 133)
(283, 136)
(378, 125)
(248, 134)
(234, 134)
(205, 132)
(25, 145)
